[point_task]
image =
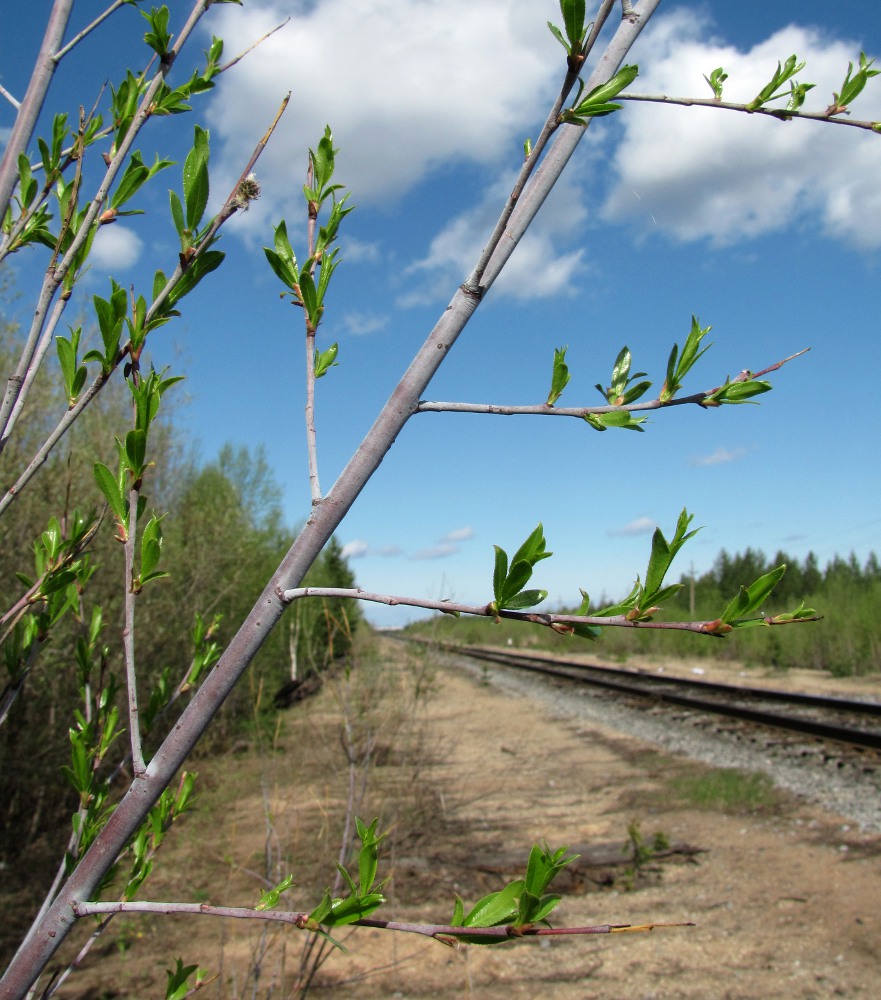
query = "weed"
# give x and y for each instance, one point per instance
(726, 789)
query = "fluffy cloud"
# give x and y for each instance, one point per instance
(356, 549)
(440, 551)
(641, 526)
(459, 534)
(115, 247)
(536, 270)
(719, 457)
(359, 549)
(723, 176)
(406, 88)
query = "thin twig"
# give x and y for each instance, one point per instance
(241, 55)
(128, 632)
(781, 114)
(546, 410)
(550, 126)
(301, 920)
(62, 52)
(554, 621)
(311, 440)
(5, 93)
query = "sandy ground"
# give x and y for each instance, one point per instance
(785, 901)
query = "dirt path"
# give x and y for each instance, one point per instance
(786, 902)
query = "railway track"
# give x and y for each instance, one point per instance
(853, 724)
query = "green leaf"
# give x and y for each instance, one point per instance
(524, 599)
(325, 360)
(597, 103)
(196, 179)
(750, 599)
(177, 217)
(109, 486)
(158, 37)
(573, 21)
(772, 91)
(496, 908)
(533, 549)
(270, 897)
(715, 81)
(136, 452)
(555, 31)
(560, 376)
(500, 571)
(678, 367)
(151, 550)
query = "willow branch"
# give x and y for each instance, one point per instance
(559, 623)
(781, 114)
(5, 93)
(128, 632)
(302, 921)
(546, 410)
(550, 126)
(32, 103)
(61, 53)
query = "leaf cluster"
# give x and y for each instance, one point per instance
(576, 31)
(365, 895)
(300, 281)
(509, 582)
(598, 102)
(522, 903)
(646, 599)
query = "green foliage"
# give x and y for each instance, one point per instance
(679, 365)
(645, 600)
(597, 103)
(508, 583)
(853, 85)
(522, 902)
(178, 985)
(304, 290)
(772, 90)
(576, 31)
(560, 375)
(269, 898)
(364, 896)
(715, 81)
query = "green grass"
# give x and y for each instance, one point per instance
(726, 790)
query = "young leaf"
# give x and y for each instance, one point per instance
(325, 360)
(750, 599)
(560, 376)
(109, 486)
(196, 179)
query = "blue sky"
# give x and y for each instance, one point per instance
(770, 232)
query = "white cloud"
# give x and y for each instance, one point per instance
(115, 247)
(356, 549)
(360, 324)
(440, 551)
(536, 270)
(405, 87)
(719, 457)
(459, 534)
(641, 526)
(724, 176)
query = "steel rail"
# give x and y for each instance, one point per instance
(661, 690)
